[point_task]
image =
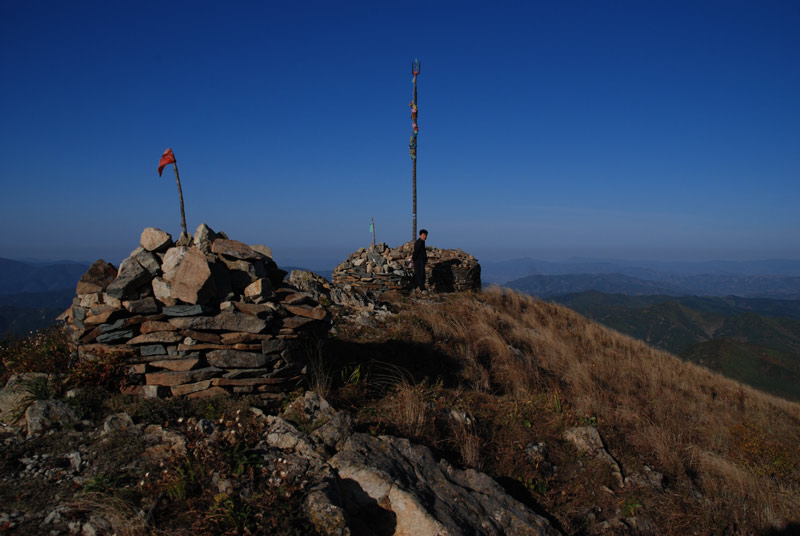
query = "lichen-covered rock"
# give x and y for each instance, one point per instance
(429, 496)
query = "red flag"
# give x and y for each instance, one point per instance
(166, 159)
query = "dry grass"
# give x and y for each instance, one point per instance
(730, 454)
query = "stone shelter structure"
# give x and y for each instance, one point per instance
(203, 317)
(380, 268)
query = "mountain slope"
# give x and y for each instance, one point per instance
(690, 326)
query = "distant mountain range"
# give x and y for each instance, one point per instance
(751, 286)
(756, 341)
(502, 271)
(17, 276)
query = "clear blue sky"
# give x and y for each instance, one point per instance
(658, 130)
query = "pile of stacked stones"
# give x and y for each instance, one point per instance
(379, 268)
(204, 317)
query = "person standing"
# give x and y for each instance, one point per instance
(420, 257)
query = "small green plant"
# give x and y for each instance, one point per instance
(185, 481)
(102, 483)
(351, 374)
(38, 388)
(230, 512)
(629, 507)
(239, 457)
(557, 407)
(588, 421)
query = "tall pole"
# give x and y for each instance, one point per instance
(166, 159)
(412, 145)
(180, 194)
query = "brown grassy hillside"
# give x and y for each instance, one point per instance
(482, 377)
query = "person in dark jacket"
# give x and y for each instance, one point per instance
(419, 258)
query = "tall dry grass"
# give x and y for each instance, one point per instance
(737, 447)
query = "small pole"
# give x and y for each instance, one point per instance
(372, 226)
(412, 145)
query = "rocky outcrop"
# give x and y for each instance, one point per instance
(381, 268)
(426, 495)
(211, 317)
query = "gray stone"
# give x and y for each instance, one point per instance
(97, 278)
(235, 359)
(272, 346)
(242, 273)
(259, 290)
(148, 260)
(187, 310)
(264, 250)
(234, 249)
(117, 422)
(131, 276)
(153, 239)
(428, 496)
(180, 377)
(172, 259)
(144, 306)
(587, 439)
(225, 321)
(151, 350)
(204, 236)
(161, 291)
(44, 415)
(105, 328)
(157, 337)
(115, 336)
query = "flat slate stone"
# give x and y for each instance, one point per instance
(145, 306)
(176, 364)
(187, 310)
(233, 248)
(272, 346)
(238, 337)
(225, 321)
(316, 313)
(170, 379)
(157, 336)
(235, 359)
(115, 336)
(189, 388)
(152, 349)
(154, 325)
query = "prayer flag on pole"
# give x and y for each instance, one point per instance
(166, 159)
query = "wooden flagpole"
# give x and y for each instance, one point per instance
(180, 194)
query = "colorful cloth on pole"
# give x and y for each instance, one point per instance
(166, 159)
(412, 144)
(371, 227)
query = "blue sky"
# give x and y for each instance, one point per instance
(652, 130)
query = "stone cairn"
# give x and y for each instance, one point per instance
(380, 268)
(204, 317)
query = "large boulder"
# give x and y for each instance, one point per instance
(428, 496)
(153, 239)
(97, 278)
(192, 282)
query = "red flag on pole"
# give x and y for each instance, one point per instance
(166, 159)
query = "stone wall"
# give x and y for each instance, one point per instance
(210, 316)
(379, 268)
